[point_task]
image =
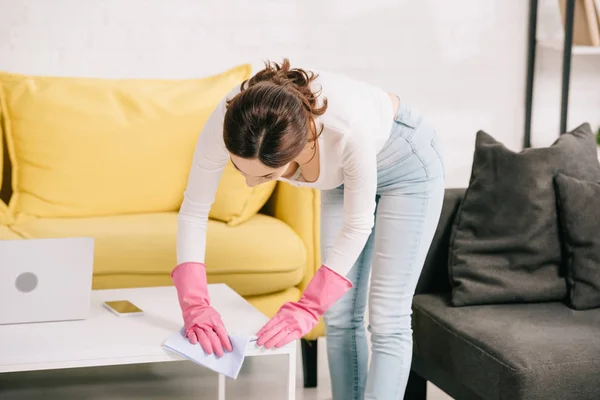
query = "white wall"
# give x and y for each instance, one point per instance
(462, 61)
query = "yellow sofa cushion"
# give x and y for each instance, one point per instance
(1, 142)
(7, 234)
(268, 304)
(92, 147)
(3, 207)
(263, 255)
(235, 202)
(4, 215)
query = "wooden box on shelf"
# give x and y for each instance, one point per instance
(586, 26)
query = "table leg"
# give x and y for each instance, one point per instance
(292, 375)
(221, 387)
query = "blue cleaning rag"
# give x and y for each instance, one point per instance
(229, 364)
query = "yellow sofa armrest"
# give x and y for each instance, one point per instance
(300, 209)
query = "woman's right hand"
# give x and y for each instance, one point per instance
(203, 325)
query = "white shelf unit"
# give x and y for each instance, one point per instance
(554, 44)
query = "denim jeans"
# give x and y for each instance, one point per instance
(410, 191)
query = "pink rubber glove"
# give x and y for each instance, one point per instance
(296, 319)
(202, 323)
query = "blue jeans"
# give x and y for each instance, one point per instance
(410, 191)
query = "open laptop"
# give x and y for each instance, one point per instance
(45, 280)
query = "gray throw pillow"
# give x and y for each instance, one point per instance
(579, 216)
(505, 245)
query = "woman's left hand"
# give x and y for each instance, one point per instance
(296, 319)
(292, 321)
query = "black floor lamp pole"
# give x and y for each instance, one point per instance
(566, 67)
(531, 47)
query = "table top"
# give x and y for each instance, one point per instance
(107, 339)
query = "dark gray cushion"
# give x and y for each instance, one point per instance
(579, 215)
(513, 351)
(505, 244)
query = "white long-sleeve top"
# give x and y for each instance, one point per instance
(356, 125)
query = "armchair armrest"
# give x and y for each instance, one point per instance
(300, 209)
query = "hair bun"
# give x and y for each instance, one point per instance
(295, 79)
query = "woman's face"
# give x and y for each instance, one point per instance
(256, 172)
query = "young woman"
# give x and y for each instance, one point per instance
(378, 165)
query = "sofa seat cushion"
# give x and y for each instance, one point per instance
(511, 351)
(7, 234)
(263, 255)
(4, 214)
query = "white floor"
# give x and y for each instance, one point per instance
(259, 379)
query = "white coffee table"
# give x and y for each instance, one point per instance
(105, 339)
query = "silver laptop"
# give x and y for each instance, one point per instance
(45, 280)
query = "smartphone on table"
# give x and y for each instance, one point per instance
(123, 308)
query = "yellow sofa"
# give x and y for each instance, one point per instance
(110, 159)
